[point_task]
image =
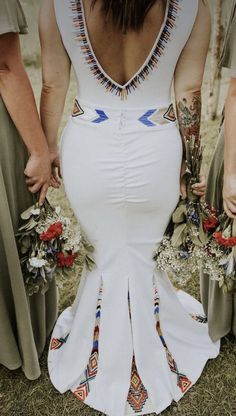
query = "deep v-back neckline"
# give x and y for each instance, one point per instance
(145, 61)
(150, 63)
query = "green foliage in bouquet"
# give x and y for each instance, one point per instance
(198, 239)
(187, 229)
(50, 244)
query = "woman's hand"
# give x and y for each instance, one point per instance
(198, 189)
(229, 195)
(56, 169)
(38, 174)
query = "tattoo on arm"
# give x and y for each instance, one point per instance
(189, 117)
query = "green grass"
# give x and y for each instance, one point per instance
(213, 395)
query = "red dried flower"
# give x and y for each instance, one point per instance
(222, 241)
(65, 260)
(210, 224)
(55, 230)
(212, 210)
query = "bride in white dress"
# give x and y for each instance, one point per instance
(130, 343)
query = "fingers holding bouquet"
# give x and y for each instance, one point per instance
(43, 170)
(38, 173)
(198, 188)
(56, 177)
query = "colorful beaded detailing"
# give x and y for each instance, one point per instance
(155, 117)
(101, 117)
(57, 343)
(200, 318)
(159, 50)
(83, 389)
(137, 395)
(77, 110)
(182, 380)
(151, 118)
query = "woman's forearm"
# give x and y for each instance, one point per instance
(189, 75)
(230, 130)
(189, 104)
(51, 110)
(18, 97)
(56, 67)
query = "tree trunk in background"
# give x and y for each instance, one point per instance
(215, 72)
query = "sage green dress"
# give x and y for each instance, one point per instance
(25, 322)
(219, 307)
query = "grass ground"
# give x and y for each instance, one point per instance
(213, 395)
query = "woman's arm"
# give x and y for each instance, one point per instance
(56, 76)
(229, 189)
(18, 97)
(188, 81)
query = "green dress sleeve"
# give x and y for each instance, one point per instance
(12, 18)
(228, 57)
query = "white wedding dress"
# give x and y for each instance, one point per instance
(130, 344)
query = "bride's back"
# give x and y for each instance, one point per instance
(122, 54)
(139, 65)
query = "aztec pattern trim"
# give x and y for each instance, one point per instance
(137, 395)
(97, 116)
(152, 63)
(101, 117)
(83, 389)
(200, 318)
(182, 380)
(57, 343)
(150, 118)
(77, 110)
(155, 117)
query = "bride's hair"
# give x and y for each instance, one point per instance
(126, 14)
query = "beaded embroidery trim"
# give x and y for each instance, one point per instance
(158, 52)
(183, 381)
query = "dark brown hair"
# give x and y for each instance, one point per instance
(126, 14)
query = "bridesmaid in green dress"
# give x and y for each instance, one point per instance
(25, 322)
(221, 192)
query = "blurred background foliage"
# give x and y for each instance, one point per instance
(30, 44)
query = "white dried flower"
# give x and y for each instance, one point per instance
(35, 211)
(37, 262)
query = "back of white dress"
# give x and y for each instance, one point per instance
(151, 84)
(130, 344)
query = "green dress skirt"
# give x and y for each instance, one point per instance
(219, 307)
(25, 322)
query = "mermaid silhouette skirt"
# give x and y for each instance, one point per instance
(130, 344)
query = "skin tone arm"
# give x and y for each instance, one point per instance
(17, 94)
(229, 188)
(188, 82)
(56, 77)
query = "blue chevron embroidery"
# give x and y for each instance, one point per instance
(145, 118)
(102, 117)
